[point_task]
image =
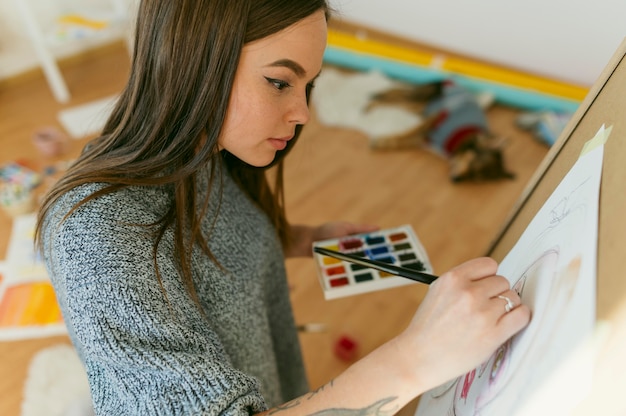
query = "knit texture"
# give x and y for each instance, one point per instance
(148, 354)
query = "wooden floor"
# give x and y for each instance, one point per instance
(332, 174)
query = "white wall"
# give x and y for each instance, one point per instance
(17, 53)
(570, 40)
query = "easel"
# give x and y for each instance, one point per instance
(605, 104)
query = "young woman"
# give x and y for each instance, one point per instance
(166, 243)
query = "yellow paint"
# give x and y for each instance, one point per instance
(457, 66)
(330, 260)
(77, 20)
(29, 304)
(42, 307)
(326, 260)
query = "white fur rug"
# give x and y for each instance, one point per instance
(56, 384)
(340, 99)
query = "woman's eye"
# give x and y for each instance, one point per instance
(278, 84)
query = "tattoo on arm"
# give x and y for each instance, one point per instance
(375, 409)
(296, 402)
(313, 393)
(285, 406)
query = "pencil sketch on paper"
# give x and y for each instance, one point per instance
(552, 267)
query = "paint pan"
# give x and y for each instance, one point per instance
(397, 246)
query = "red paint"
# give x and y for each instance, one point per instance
(342, 281)
(346, 348)
(351, 244)
(397, 237)
(333, 271)
(467, 384)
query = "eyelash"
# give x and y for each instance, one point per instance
(278, 84)
(281, 85)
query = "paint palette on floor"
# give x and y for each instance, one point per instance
(397, 246)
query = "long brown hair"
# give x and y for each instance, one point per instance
(166, 123)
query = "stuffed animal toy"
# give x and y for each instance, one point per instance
(454, 126)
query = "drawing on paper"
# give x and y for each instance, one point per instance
(552, 268)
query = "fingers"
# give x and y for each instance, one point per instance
(491, 286)
(480, 275)
(362, 228)
(508, 300)
(513, 314)
(467, 313)
(492, 295)
(475, 269)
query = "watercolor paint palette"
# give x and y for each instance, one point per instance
(397, 246)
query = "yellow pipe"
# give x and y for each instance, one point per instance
(514, 78)
(456, 65)
(346, 41)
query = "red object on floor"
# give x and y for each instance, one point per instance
(346, 348)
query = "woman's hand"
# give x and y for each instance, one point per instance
(461, 322)
(304, 236)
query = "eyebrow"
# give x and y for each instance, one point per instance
(293, 65)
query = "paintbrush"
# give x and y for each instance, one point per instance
(312, 327)
(379, 265)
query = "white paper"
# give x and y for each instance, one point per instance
(28, 306)
(545, 369)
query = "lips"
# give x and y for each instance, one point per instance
(280, 143)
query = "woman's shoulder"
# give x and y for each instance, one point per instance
(132, 205)
(144, 199)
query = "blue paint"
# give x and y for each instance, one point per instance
(371, 240)
(385, 259)
(377, 251)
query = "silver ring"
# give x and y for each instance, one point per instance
(509, 303)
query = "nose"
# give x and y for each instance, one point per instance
(299, 112)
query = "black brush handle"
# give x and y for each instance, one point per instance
(379, 265)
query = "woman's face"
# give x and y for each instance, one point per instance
(268, 99)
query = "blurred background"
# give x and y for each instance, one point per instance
(62, 64)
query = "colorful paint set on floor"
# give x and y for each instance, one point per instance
(397, 246)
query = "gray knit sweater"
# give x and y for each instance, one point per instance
(147, 354)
